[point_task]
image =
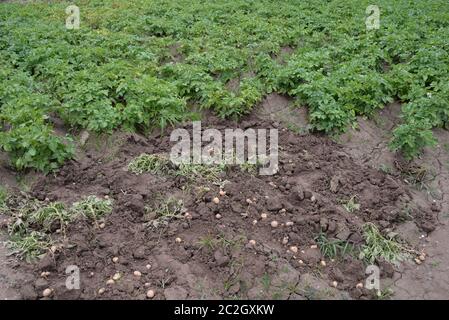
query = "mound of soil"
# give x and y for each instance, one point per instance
(215, 258)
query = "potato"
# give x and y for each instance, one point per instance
(137, 273)
(216, 200)
(150, 294)
(117, 276)
(294, 249)
(47, 292)
(274, 224)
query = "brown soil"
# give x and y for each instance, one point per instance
(231, 267)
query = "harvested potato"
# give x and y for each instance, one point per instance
(150, 294)
(117, 276)
(47, 292)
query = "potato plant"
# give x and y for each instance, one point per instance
(142, 64)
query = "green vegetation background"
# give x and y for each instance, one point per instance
(139, 64)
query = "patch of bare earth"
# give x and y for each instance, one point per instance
(431, 279)
(9, 277)
(369, 145)
(6, 274)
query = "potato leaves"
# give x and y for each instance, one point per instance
(144, 64)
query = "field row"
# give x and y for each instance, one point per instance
(137, 65)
